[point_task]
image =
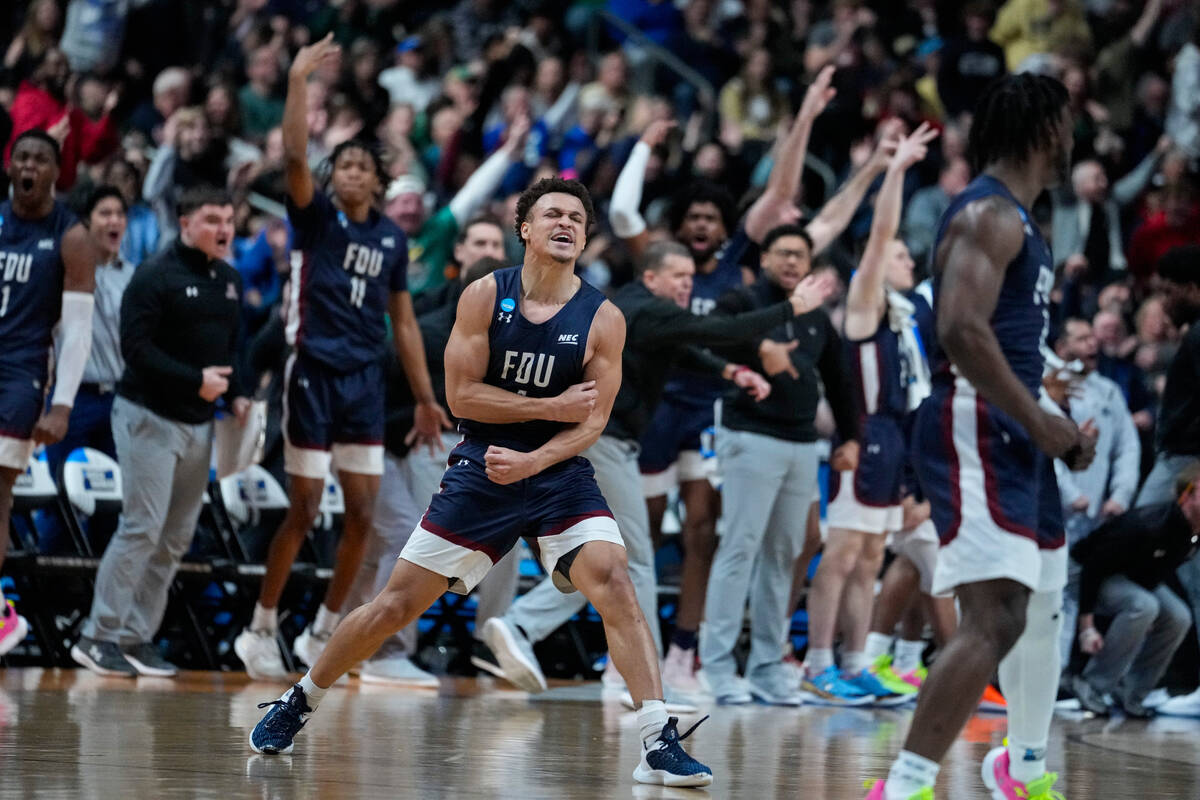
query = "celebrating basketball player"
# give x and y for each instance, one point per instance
(864, 502)
(47, 274)
(985, 449)
(532, 369)
(348, 275)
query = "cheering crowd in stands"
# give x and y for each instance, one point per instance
(756, 134)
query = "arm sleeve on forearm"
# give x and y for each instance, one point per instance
(75, 344)
(480, 186)
(623, 212)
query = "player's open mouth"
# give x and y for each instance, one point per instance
(564, 238)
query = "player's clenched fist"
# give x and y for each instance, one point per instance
(506, 466)
(575, 404)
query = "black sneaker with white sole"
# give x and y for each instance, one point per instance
(102, 658)
(149, 662)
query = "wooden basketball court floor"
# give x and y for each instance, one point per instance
(66, 734)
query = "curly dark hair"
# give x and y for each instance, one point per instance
(1013, 117)
(549, 186)
(357, 144)
(703, 191)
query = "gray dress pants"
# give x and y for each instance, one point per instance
(1148, 627)
(164, 472)
(542, 610)
(768, 487)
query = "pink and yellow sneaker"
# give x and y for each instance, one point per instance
(1005, 787)
(13, 628)
(876, 792)
(916, 677)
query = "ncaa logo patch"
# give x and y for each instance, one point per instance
(508, 304)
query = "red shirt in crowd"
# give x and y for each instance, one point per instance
(1152, 240)
(87, 140)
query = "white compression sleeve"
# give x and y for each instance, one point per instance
(480, 186)
(1029, 680)
(627, 194)
(74, 345)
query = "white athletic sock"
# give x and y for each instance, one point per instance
(910, 774)
(651, 718)
(326, 621)
(818, 659)
(877, 645)
(1029, 681)
(264, 620)
(854, 662)
(908, 656)
(312, 692)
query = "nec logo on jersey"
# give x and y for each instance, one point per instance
(388, 241)
(568, 338)
(46, 244)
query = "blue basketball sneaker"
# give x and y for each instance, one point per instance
(666, 764)
(867, 683)
(275, 731)
(829, 688)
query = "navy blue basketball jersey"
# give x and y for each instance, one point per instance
(880, 374)
(535, 360)
(342, 274)
(31, 285)
(689, 387)
(1021, 320)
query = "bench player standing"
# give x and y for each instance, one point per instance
(348, 273)
(864, 504)
(985, 449)
(532, 369)
(47, 274)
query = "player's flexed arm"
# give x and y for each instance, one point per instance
(603, 368)
(466, 361)
(980, 243)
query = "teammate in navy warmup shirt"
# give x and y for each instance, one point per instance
(47, 274)
(348, 275)
(532, 369)
(985, 447)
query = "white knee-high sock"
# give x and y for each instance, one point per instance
(1029, 681)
